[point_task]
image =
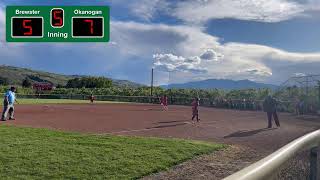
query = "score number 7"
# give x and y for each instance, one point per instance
(24, 24)
(91, 24)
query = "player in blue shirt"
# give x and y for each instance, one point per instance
(8, 104)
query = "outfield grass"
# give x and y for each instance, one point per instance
(59, 101)
(27, 153)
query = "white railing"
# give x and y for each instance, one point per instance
(268, 167)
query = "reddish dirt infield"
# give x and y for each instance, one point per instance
(245, 128)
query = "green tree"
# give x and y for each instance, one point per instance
(26, 83)
(60, 86)
(4, 81)
(89, 82)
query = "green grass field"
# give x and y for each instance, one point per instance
(59, 101)
(27, 153)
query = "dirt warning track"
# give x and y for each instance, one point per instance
(245, 128)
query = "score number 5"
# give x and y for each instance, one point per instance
(28, 27)
(57, 18)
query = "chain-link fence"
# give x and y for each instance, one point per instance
(303, 92)
(236, 104)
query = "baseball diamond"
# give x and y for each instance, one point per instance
(237, 128)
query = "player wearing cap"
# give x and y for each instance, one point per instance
(8, 104)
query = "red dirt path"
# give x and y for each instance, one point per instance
(244, 128)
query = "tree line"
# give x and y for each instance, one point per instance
(89, 82)
(104, 87)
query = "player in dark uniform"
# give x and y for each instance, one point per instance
(195, 109)
(270, 107)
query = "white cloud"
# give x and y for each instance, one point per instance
(147, 9)
(299, 74)
(267, 63)
(313, 5)
(2, 21)
(200, 11)
(173, 47)
(211, 55)
(144, 9)
(170, 62)
(144, 39)
(7, 50)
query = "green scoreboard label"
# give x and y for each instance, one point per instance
(57, 24)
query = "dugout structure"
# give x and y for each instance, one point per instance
(300, 94)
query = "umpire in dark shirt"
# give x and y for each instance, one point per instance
(270, 107)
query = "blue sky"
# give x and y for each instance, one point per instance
(185, 40)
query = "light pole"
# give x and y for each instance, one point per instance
(151, 93)
(319, 95)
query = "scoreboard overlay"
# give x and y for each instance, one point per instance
(57, 24)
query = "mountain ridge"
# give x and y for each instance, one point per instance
(226, 84)
(16, 75)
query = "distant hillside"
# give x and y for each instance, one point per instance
(126, 83)
(221, 84)
(16, 75)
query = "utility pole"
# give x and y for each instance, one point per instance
(151, 93)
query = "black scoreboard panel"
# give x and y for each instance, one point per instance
(27, 27)
(87, 27)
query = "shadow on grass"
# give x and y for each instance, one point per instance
(246, 133)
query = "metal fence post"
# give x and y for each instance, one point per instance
(313, 163)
